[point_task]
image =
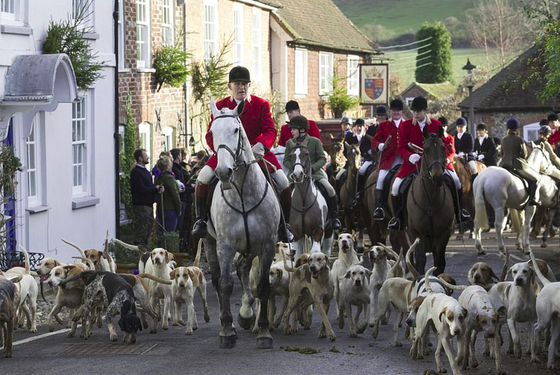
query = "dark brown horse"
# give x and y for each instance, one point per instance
(430, 205)
(338, 160)
(348, 190)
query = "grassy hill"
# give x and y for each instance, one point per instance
(400, 16)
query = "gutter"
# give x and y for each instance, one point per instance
(116, 130)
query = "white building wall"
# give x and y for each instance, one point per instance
(41, 231)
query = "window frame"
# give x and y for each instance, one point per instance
(167, 26)
(210, 42)
(238, 33)
(18, 17)
(529, 130)
(353, 78)
(144, 53)
(86, 118)
(89, 21)
(256, 45)
(145, 138)
(168, 139)
(326, 70)
(38, 131)
(300, 73)
(121, 36)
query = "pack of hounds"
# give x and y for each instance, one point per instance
(95, 294)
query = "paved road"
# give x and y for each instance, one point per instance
(171, 352)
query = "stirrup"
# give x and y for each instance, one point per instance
(285, 233)
(379, 213)
(395, 224)
(200, 229)
(335, 223)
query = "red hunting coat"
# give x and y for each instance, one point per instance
(386, 129)
(409, 131)
(286, 133)
(449, 142)
(554, 138)
(257, 122)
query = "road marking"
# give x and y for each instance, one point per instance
(25, 341)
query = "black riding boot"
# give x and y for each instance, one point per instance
(333, 210)
(473, 176)
(379, 213)
(359, 193)
(532, 191)
(461, 215)
(201, 210)
(284, 230)
(397, 222)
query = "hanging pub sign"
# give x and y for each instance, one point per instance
(374, 83)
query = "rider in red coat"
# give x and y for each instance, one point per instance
(389, 157)
(292, 110)
(261, 132)
(554, 124)
(410, 131)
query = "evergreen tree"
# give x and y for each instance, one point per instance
(434, 66)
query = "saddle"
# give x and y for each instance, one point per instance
(523, 179)
(387, 182)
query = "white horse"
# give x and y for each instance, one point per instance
(244, 218)
(501, 189)
(309, 216)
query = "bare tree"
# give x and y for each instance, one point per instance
(496, 25)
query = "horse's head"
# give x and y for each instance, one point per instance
(354, 157)
(230, 140)
(337, 152)
(433, 155)
(301, 163)
(539, 159)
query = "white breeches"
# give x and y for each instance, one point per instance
(472, 166)
(455, 178)
(280, 180)
(340, 173)
(396, 185)
(328, 187)
(383, 173)
(364, 167)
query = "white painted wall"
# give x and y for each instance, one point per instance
(41, 232)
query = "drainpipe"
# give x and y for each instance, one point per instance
(116, 132)
(185, 86)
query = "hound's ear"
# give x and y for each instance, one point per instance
(348, 274)
(368, 271)
(103, 255)
(169, 255)
(57, 263)
(191, 274)
(510, 270)
(465, 312)
(280, 272)
(172, 274)
(444, 309)
(166, 256)
(303, 259)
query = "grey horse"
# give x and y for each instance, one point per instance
(244, 218)
(309, 215)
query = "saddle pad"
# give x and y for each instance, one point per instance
(407, 181)
(388, 179)
(523, 180)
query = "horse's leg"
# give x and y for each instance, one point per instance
(316, 240)
(246, 314)
(439, 253)
(264, 338)
(499, 223)
(225, 255)
(298, 247)
(526, 228)
(420, 254)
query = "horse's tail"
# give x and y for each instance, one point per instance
(480, 216)
(515, 220)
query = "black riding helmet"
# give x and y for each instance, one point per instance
(299, 122)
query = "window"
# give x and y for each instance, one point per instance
(167, 22)
(210, 28)
(85, 10)
(34, 162)
(325, 72)
(237, 34)
(167, 138)
(257, 48)
(122, 54)
(9, 9)
(300, 74)
(13, 12)
(531, 132)
(143, 33)
(79, 138)
(353, 75)
(145, 137)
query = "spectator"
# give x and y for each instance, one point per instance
(169, 203)
(180, 177)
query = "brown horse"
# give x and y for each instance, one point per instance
(348, 190)
(430, 205)
(338, 160)
(465, 176)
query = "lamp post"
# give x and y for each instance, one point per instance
(469, 78)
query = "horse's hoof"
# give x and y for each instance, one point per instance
(245, 323)
(227, 342)
(481, 253)
(264, 343)
(544, 244)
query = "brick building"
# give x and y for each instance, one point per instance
(504, 96)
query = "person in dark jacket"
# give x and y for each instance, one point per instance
(143, 193)
(514, 157)
(484, 146)
(464, 145)
(168, 203)
(180, 177)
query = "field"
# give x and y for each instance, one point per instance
(404, 63)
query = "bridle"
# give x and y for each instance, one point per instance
(306, 167)
(436, 162)
(239, 149)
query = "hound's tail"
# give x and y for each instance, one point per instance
(409, 265)
(427, 279)
(74, 246)
(89, 263)
(480, 216)
(451, 286)
(155, 278)
(126, 245)
(543, 280)
(27, 267)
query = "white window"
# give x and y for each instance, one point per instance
(9, 9)
(325, 72)
(167, 22)
(210, 28)
(143, 33)
(85, 10)
(531, 132)
(353, 75)
(79, 142)
(12, 12)
(237, 34)
(167, 138)
(300, 73)
(257, 45)
(122, 53)
(34, 162)
(145, 137)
